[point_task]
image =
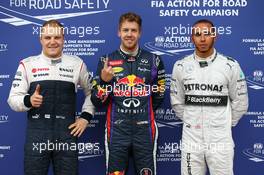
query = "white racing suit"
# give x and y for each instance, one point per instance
(209, 97)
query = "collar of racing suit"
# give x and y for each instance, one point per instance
(130, 56)
(203, 62)
(133, 54)
(51, 61)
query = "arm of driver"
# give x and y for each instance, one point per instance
(177, 95)
(19, 90)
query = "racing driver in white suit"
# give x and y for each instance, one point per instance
(209, 94)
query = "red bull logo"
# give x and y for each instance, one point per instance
(132, 86)
(131, 80)
(101, 91)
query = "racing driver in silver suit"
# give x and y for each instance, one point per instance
(209, 94)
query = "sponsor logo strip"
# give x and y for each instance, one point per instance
(203, 100)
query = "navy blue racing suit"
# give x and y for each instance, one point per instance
(131, 97)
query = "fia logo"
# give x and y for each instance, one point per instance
(256, 153)
(256, 80)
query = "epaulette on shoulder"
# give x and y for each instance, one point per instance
(228, 58)
(31, 58)
(231, 59)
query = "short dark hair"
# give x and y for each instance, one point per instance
(213, 29)
(203, 21)
(131, 17)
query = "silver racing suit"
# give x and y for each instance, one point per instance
(209, 97)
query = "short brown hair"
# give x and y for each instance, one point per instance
(131, 17)
(53, 23)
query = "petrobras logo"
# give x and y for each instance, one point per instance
(3, 47)
(256, 80)
(169, 152)
(255, 153)
(34, 70)
(90, 150)
(166, 117)
(3, 118)
(17, 18)
(173, 41)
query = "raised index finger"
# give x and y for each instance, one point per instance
(106, 63)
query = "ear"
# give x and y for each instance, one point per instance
(40, 39)
(118, 33)
(215, 38)
(192, 38)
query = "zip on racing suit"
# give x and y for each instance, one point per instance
(132, 96)
(47, 126)
(210, 97)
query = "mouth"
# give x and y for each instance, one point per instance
(53, 47)
(203, 45)
(129, 39)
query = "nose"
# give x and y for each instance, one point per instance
(52, 41)
(202, 37)
(129, 33)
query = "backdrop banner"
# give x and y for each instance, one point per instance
(91, 31)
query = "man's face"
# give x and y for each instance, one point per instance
(203, 37)
(129, 33)
(52, 40)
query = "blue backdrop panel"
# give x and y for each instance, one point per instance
(91, 31)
